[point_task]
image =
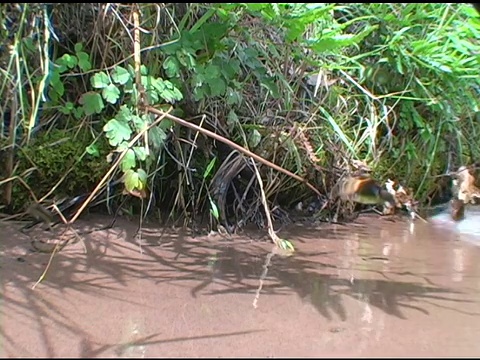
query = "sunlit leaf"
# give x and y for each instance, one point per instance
(117, 132)
(121, 75)
(100, 80)
(214, 209)
(111, 94)
(93, 150)
(128, 162)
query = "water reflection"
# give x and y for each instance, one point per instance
(371, 288)
(468, 226)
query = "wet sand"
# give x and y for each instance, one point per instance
(358, 290)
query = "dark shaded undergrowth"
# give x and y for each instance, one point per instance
(311, 88)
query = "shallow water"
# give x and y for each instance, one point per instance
(467, 229)
(371, 288)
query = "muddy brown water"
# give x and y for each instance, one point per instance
(368, 289)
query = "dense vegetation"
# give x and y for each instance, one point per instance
(97, 94)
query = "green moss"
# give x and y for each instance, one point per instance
(54, 155)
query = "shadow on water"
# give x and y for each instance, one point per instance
(122, 289)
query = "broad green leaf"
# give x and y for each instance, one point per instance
(174, 94)
(66, 61)
(121, 75)
(135, 179)
(78, 112)
(131, 180)
(92, 103)
(171, 67)
(57, 84)
(271, 85)
(69, 105)
(111, 94)
(122, 146)
(124, 114)
(84, 61)
(142, 176)
(117, 132)
(140, 152)
(78, 47)
(217, 86)
(128, 161)
(100, 80)
(157, 136)
(166, 124)
(143, 70)
(332, 42)
(212, 71)
(233, 97)
(67, 108)
(139, 123)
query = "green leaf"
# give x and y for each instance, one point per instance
(67, 108)
(92, 103)
(232, 120)
(213, 208)
(57, 84)
(286, 245)
(100, 80)
(111, 94)
(143, 70)
(78, 112)
(69, 105)
(78, 47)
(231, 69)
(209, 168)
(142, 176)
(166, 90)
(121, 75)
(139, 123)
(254, 139)
(117, 132)
(123, 146)
(157, 136)
(84, 61)
(333, 42)
(66, 61)
(140, 152)
(270, 84)
(131, 180)
(93, 150)
(233, 97)
(166, 124)
(295, 30)
(135, 179)
(171, 67)
(128, 161)
(217, 86)
(212, 71)
(124, 114)
(198, 93)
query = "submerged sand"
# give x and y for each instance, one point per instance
(372, 288)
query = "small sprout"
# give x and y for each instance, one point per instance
(286, 245)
